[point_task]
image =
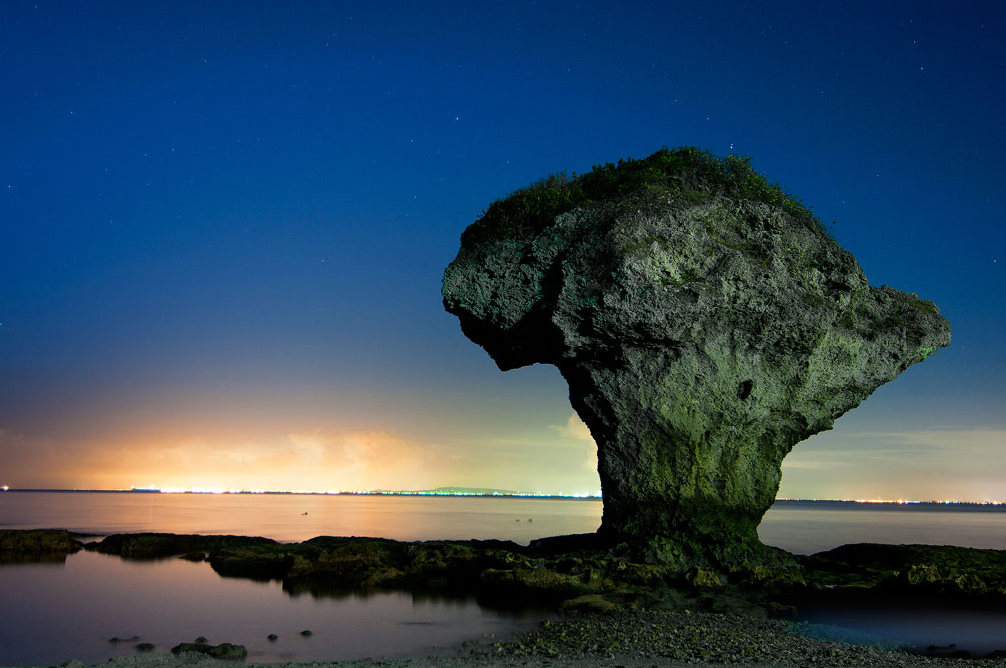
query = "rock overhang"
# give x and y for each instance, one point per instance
(704, 328)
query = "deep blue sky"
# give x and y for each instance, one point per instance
(224, 225)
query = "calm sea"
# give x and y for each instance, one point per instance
(53, 612)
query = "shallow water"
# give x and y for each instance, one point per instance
(298, 517)
(917, 626)
(805, 527)
(52, 612)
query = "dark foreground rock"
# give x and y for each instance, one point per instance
(495, 569)
(222, 651)
(159, 545)
(623, 603)
(43, 545)
(584, 572)
(935, 572)
(587, 573)
(705, 323)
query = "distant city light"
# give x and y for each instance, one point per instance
(369, 492)
(907, 502)
(477, 492)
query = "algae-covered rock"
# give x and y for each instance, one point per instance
(23, 546)
(225, 650)
(157, 545)
(705, 323)
(590, 603)
(932, 569)
(700, 578)
(534, 584)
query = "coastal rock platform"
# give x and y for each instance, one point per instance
(616, 608)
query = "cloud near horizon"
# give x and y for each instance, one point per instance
(576, 429)
(316, 459)
(927, 464)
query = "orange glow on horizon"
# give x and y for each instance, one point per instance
(175, 459)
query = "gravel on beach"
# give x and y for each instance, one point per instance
(637, 639)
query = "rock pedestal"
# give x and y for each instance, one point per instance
(704, 325)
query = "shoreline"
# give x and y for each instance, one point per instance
(635, 639)
(616, 607)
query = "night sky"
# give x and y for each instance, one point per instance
(224, 225)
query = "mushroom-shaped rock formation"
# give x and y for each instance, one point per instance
(704, 320)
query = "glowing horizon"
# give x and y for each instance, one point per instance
(223, 248)
(597, 495)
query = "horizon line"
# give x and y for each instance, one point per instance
(460, 491)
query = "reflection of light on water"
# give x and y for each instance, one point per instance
(71, 613)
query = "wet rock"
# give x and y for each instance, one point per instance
(589, 603)
(272, 637)
(918, 569)
(534, 583)
(157, 545)
(701, 578)
(330, 564)
(221, 651)
(46, 545)
(256, 562)
(306, 633)
(145, 647)
(704, 321)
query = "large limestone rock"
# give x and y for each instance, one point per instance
(705, 322)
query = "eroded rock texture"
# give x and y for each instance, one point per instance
(704, 327)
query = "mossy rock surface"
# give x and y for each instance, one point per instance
(704, 321)
(689, 174)
(38, 541)
(159, 545)
(652, 573)
(941, 570)
(226, 651)
(535, 583)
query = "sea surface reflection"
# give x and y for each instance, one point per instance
(54, 612)
(298, 517)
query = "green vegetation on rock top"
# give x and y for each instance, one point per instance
(692, 172)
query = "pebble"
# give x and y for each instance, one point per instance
(666, 638)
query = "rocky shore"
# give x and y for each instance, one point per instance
(620, 604)
(629, 640)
